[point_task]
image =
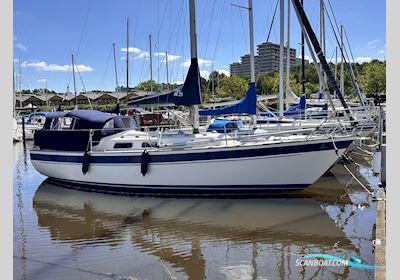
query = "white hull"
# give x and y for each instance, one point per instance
(294, 170)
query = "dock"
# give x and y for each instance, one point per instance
(380, 239)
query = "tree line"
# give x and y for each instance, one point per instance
(370, 77)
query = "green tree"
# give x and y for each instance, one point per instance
(268, 83)
(373, 77)
(146, 85)
(234, 87)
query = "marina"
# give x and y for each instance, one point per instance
(278, 173)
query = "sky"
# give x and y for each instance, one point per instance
(48, 32)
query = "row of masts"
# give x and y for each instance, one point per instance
(282, 93)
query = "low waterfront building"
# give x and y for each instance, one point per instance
(68, 98)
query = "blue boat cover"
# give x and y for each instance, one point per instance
(89, 119)
(224, 125)
(76, 139)
(245, 106)
(186, 95)
(52, 115)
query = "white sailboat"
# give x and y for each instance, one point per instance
(106, 152)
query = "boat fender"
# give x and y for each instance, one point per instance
(85, 162)
(146, 158)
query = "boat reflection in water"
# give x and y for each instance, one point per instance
(196, 238)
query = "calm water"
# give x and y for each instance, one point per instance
(61, 233)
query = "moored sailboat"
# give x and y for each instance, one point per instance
(107, 152)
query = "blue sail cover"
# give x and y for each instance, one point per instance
(295, 109)
(299, 110)
(190, 93)
(186, 95)
(245, 106)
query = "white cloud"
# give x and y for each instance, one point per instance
(132, 50)
(16, 60)
(202, 62)
(223, 71)
(138, 52)
(373, 43)
(44, 66)
(333, 59)
(142, 55)
(21, 47)
(306, 57)
(171, 57)
(205, 74)
(178, 82)
(382, 51)
(42, 81)
(362, 59)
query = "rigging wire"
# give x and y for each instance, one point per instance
(84, 28)
(272, 21)
(80, 77)
(81, 36)
(178, 23)
(157, 45)
(333, 14)
(243, 30)
(354, 61)
(343, 51)
(20, 27)
(209, 28)
(103, 80)
(216, 45)
(232, 32)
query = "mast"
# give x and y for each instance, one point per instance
(193, 53)
(116, 74)
(127, 56)
(166, 65)
(212, 86)
(282, 30)
(287, 92)
(321, 37)
(73, 76)
(47, 95)
(20, 82)
(336, 62)
(341, 62)
(251, 31)
(303, 76)
(14, 102)
(151, 65)
(323, 44)
(314, 45)
(252, 62)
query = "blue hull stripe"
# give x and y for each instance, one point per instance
(220, 190)
(199, 156)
